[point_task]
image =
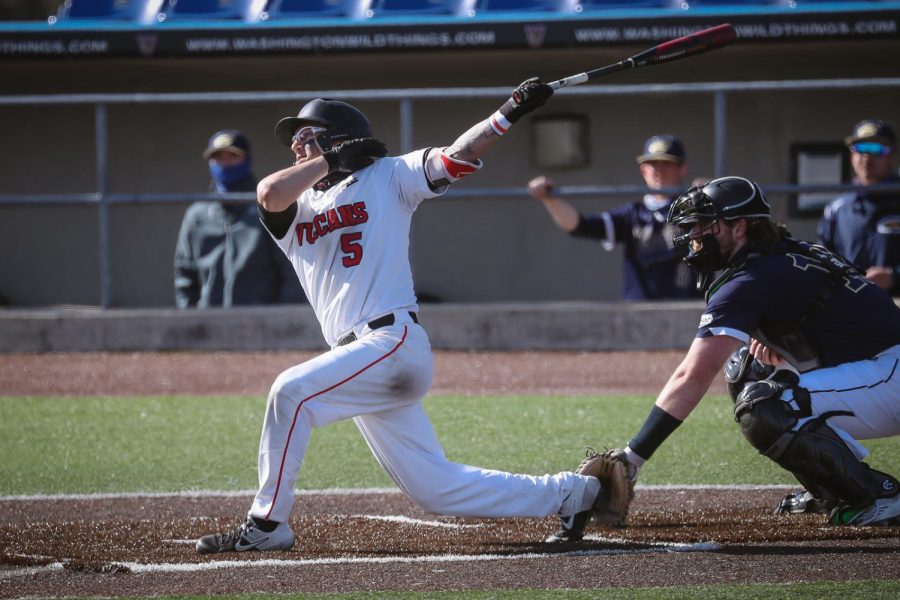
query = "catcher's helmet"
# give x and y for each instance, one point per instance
(340, 120)
(726, 198)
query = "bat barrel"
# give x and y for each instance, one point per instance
(701, 41)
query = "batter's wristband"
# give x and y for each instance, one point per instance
(499, 123)
(656, 428)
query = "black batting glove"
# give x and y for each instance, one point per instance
(531, 94)
(353, 155)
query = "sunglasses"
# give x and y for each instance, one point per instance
(304, 134)
(876, 148)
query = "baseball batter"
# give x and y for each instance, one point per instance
(830, 338)
(342, 214)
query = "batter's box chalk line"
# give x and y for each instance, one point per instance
(443, 558)
(134, 567)
(347, 492)
(419, 522)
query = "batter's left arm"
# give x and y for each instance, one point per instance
(464, 155)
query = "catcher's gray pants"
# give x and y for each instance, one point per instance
(379, 380)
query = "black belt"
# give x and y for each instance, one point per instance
(378, 323)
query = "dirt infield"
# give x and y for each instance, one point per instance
(144, 546)
(186, 373)
(118, 546)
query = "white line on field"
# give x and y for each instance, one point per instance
(352, 492)
(410, 521)
(24, 571)
(271, 562)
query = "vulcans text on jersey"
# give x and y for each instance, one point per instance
(339, 217)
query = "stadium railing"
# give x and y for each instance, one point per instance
(405, 98)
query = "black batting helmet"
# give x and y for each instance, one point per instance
(340, 120)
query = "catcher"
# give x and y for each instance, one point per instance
(813, 353)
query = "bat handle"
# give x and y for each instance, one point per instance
(571, 80)
(588, 75)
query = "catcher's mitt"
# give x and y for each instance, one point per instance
(617, 477)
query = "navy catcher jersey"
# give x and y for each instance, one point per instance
(653, 267)
(865, 229)
(858, 321)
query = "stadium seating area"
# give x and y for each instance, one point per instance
(149, 12)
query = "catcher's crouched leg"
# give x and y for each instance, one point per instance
(810, 449)
(741, 370)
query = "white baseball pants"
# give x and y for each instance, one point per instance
(379, 380)
(870, 389)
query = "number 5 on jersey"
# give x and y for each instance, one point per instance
(352, 249)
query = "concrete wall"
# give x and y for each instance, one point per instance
(588, 326)
(463, 250)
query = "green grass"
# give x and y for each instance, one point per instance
(868, 590)
(83, 445)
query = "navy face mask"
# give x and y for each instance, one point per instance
(225, 177)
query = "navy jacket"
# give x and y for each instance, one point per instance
(865, 229)
(652, 266)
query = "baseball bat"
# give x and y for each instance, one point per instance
(689, 45)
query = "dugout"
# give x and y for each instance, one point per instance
(494, 247)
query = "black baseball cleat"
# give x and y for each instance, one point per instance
(248, 536)
(577, 510)
(804, 501)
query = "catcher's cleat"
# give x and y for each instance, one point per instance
(803, 502)
(248, 536)
(577, 509)
(884, 511)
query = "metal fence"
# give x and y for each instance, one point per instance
(405, 99)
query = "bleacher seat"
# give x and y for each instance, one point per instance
(726, 3)
(800, 2)
(583, 5)
(206, 9)
(518, 5)
(302, 9)
(123, 10)
(390, 8)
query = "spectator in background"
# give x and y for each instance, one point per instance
(224, 257)
(652, 266)
(864, 227)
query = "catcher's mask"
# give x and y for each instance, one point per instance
(339, 120)
(726, 198)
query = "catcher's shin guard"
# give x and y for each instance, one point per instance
(813, 452)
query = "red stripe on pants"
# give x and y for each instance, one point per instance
(319, 393)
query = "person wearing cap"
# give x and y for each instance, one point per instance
(864, 226)
(223, 255)
(652, 266)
